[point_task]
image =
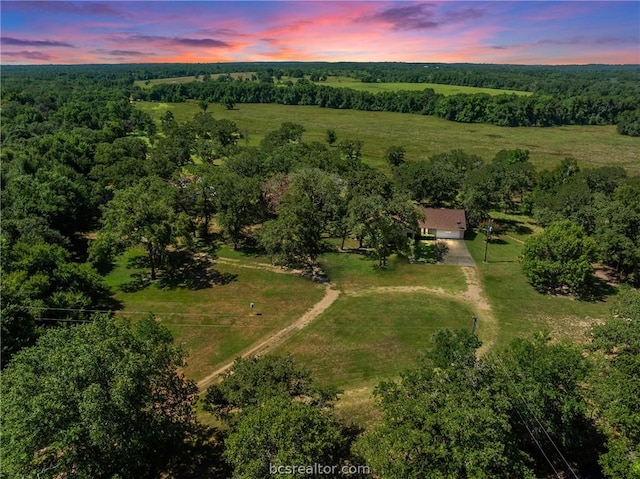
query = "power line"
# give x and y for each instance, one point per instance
(526, 403)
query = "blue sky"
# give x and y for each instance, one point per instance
(520, 32)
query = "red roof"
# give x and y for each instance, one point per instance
(444, 219)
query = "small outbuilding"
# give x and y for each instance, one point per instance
(443, 223)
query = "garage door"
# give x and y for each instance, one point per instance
(449, 234)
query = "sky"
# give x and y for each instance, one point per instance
(517, 32)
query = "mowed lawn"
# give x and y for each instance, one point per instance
(216, 324)
(367, 338)
(355, 272)
(423, 136)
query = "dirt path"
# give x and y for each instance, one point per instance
(487, 322)
(278, 337)
(487, 327)
(398, 289)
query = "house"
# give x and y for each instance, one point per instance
(443, 223)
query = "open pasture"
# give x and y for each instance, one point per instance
(424, 136)
(346, 82)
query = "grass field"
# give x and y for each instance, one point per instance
(215, 324)
(424, 136)
(351, 272)
(381, 322)
(364, 339)
(346, 82)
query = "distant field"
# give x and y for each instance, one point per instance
(144, 84)
(424, 136)
(346, 82)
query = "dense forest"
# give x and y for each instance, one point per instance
(86, 175)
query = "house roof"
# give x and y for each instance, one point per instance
(444, 219)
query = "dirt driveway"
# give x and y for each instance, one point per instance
(457, 253)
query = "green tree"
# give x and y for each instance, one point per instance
(39, 280)
(383, 224)
(616, 384)
(228, 102)
(282, 433)
(239, 204)
(394, 156)
(100, 400)
(277, 416)
(444, 419)
(295, 236)
(331, 136)
(629, 123)
(616, 233)
(559, 259)
(546, 384)
(145, 214)
(255, 380)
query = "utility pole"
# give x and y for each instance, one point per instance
(488, 230)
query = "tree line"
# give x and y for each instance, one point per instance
(588, 95)
(540, 110)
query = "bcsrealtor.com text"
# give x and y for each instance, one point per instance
(318, 469)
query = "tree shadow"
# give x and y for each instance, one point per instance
(140, 261)
(514, 226)
(202, 456)
(497, 241)
(599, 290)
(187, 270)
(138, 282)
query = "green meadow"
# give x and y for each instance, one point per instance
(423, 136)
(346, 82)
